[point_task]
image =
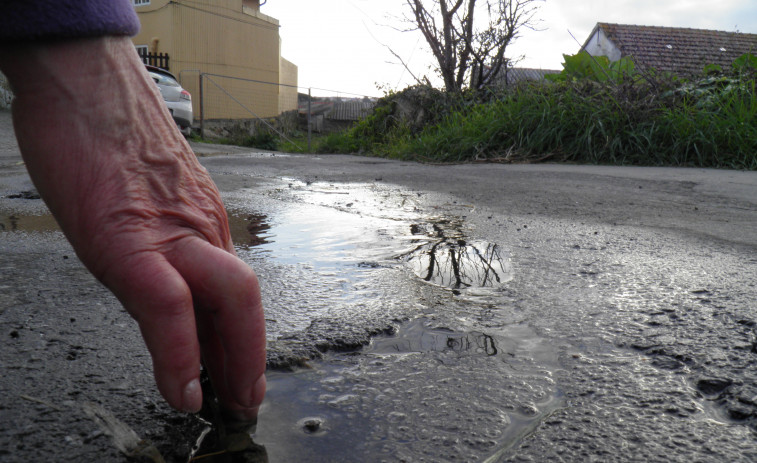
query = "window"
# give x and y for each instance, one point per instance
(141, 2)
(143, 53)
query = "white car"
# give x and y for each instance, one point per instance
(178, 100)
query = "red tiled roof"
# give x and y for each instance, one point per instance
(678, 50)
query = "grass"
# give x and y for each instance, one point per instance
(649, 120)
(709, 122)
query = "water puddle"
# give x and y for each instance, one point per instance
(25, 212)
(443, 256)
(321, 237)
(418, 336)
(317, 262)
(17, 222)
(223, 440)
(460, 265)
(430, 392)
(436, 390)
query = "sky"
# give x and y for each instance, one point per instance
(351, 46)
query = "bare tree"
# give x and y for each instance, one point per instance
(470, 48)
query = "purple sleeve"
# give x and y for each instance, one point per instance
(25, 20)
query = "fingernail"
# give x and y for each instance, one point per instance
(192, 398)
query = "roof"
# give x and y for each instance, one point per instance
(682, 51)
(512, 76)
(515, 75)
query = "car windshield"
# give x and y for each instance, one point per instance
(162, 79)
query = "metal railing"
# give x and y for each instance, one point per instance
(160, 60)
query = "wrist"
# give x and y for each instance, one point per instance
(74, 68)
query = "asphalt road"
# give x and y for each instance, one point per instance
(471, 312)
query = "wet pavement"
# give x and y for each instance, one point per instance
(419, 313)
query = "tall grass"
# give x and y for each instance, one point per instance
(673, 123)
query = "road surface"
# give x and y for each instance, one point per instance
(471, 312)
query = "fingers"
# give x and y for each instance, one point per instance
(230, 322)
(198, 299)
(158, 298)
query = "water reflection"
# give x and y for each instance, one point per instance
(451, 261)
(249, 229)
(27, 223)
(416, 336)
(459, 264)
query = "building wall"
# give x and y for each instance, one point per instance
(156, 31)
(222, 37)
(600, 45)
(288, 90)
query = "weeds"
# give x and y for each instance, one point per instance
(594, 112)
(592, 115)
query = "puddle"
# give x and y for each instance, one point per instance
(320, 237)
(14, 222)
(459, 265)
(248, 229)
(434, 391)
(429, 393)
(361, 198)
(318, 262)
(336, 251)
(327, 237)
(223, 440)
(417, 336)
(447, 259)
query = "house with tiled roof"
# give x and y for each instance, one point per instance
(680, 51)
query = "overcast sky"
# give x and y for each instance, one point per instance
(345, 44)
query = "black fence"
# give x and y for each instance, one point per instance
(154, 59)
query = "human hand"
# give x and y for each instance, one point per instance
(141, 213)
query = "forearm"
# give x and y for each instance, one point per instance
(103, 108)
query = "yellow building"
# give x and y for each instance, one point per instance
(236, 48)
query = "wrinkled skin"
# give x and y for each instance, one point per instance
(142, 214)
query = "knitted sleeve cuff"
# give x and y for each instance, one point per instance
(45, 20)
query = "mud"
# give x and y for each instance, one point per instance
(422, 313)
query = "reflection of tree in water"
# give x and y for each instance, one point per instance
(417, 336)
(475, 342)
(457, 264)
(249, 229)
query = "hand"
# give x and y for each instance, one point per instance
(142, 214)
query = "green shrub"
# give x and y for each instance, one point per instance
(597, 112)
(261, 140)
